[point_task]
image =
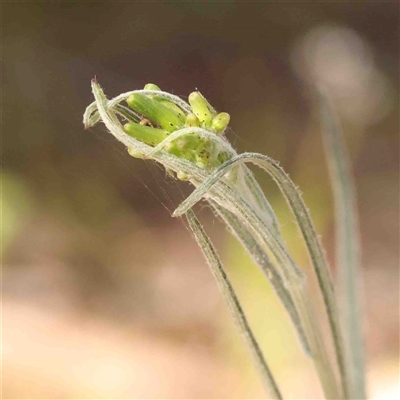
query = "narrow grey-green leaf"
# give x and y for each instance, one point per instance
(307, 229)
(234, 306)
(347, 244)
(267, 267)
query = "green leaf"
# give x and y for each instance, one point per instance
(234, 306)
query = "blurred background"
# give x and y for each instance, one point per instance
(104, 294)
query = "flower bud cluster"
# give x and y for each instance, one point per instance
(159, 117)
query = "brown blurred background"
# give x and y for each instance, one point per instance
(104, 294)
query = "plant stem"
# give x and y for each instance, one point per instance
(307, 229)
(267, 267)
(347, 244)
(233, 303)
(296, 284)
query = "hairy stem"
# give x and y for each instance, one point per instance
(308, 231)
(234, 306)
(296, 284)
(267, 267)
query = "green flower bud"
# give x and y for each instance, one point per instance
(201, 107)
(206, 154)
(185, 147)
(156, 111)
(220, 122)
(192, 120)
(169, 104)
(146, 134)
(173, 107)
(151, 86)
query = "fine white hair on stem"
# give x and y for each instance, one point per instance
(293, 278)
(261, 259)
(234, 306)
(307, 229)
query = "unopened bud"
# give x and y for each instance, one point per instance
(146, 134)
(200, 107)
(192, 120)
(151, 86)
(220, 122)
(156, 111)
(165, 102)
